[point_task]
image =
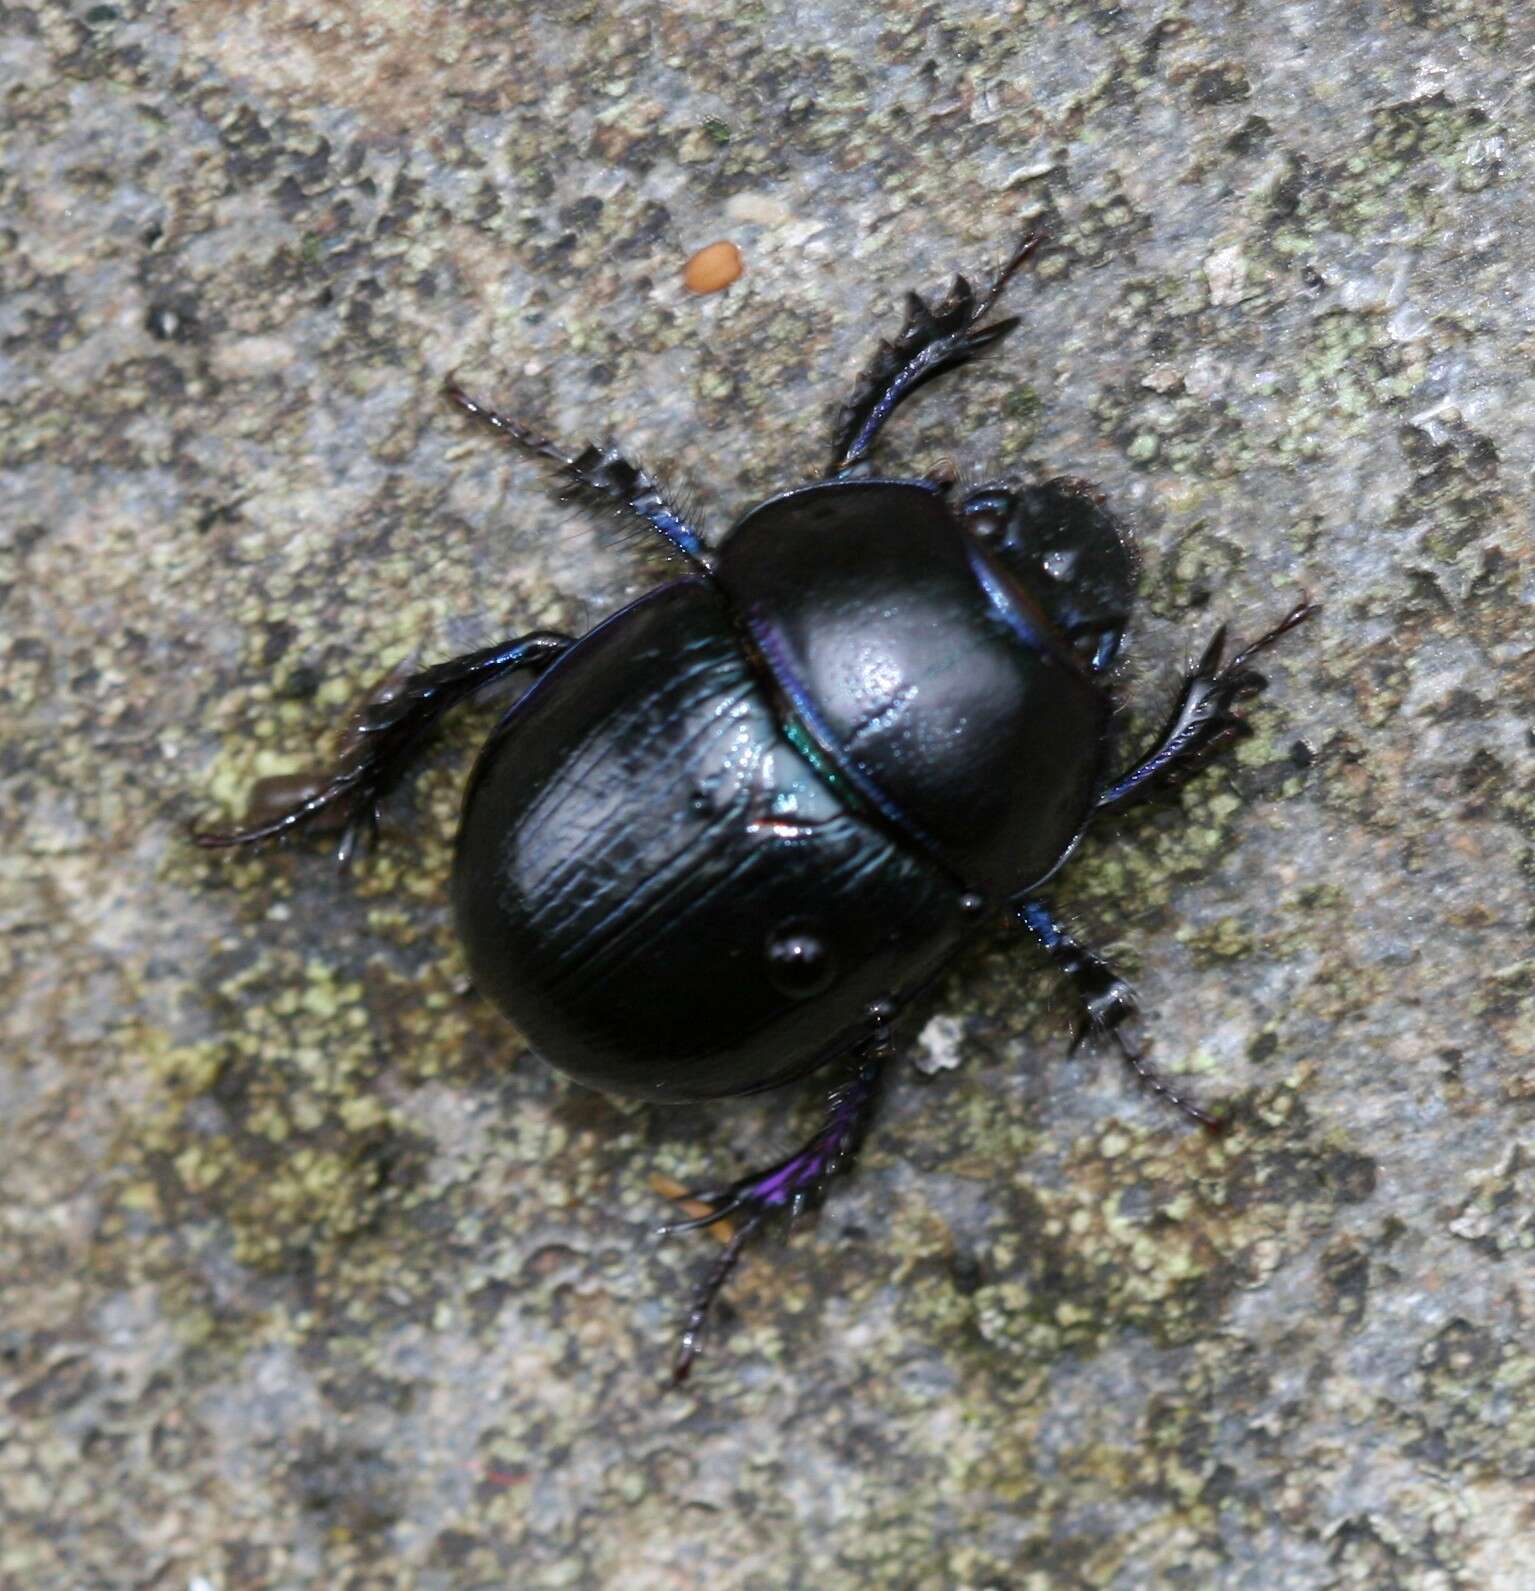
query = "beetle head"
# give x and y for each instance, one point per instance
(1067, 552)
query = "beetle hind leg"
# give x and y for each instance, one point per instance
(1106, 1003)
(377, 746)
(787, 1186)
(932, 339)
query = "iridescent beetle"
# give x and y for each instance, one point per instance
(727, 836)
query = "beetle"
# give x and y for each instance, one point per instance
(725, 839)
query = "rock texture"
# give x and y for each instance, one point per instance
(311, 1275)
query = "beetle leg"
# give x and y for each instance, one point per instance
(1107, 1002)
(1203, 718)
(789, 1185)
(602, 474)
(930, 341)
(377, 746)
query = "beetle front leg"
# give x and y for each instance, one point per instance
(1203, 718)
(787, 1186)
(379, 743)
(931, 340)
(1106, 1001)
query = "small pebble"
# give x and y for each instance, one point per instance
(760, 209)
(712, 268)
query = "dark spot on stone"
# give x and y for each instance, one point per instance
(1221, 1486)
(485, 1303)
(1346, 1278)
(389, 1161)
(359, 309)
(1284, 197)
(279, 637)
(365, 1389)
(60, 1387)
(1482, 776)
(1463, 706)
(1424, 593)
(1458, 1351)
(301, 684)
(1252, 136)
(1262, 1047)
(1357, 1543)
(966, 1274)
(249, 152)
(172, 320)
(452, 1549)
(355, 1489)
(217, 514)
(581, 213)
(650, 226)
(548, 1260)
(102, 1447)
(1220, 85)
(1353, 1176)
(291, 198)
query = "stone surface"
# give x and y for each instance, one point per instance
(312, 1276)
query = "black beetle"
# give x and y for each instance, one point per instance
(727, 836)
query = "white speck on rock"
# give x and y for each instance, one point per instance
(1163, 378)
(760, 208)
(1226, 272)
(254, 356)
(1409, 323)
(938, 1046)
(1365, 295)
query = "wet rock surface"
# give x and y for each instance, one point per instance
(313, 1275)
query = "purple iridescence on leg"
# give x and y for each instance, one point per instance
(807, 1168)
(790, 1185)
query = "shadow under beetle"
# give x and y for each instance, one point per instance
(727, 836)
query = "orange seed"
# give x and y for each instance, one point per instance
(712, 268)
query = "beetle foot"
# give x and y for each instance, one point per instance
(343, 797)
(1205, 716)
(376, 746)
(1122, 1008)
(789, 1186)
(1106, 1001)
(602, 474)
(345, 800)
(932, 339)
